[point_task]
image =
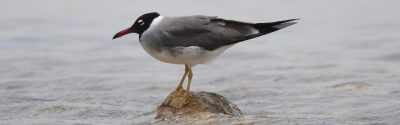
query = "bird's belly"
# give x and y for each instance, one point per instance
(185, 55)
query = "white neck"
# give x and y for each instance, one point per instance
(155, 22)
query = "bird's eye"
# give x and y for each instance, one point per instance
(140, 22)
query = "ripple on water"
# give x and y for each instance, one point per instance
(350, 86)
(393, 57)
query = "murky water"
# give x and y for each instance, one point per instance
(339, 65)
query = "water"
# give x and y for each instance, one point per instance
(339, 65)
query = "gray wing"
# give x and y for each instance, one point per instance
(207, 32)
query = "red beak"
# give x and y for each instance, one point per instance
(122, 33)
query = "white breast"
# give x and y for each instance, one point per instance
(186, 55)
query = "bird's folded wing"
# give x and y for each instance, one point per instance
(207, 32)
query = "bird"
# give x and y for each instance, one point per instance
(192, 40)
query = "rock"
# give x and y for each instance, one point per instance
(200, 103)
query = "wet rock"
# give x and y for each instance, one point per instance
(200, 104)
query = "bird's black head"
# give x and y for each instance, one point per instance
(140, 25)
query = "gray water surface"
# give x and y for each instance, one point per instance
(339, 65)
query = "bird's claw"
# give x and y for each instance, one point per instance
(178, 99)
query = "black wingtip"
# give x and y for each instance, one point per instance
(283, 21)
(266, 28)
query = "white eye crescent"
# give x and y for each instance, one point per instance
(140, 22)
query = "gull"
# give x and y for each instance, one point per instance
(192, 40)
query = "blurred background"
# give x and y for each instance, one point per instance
(339, 65)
